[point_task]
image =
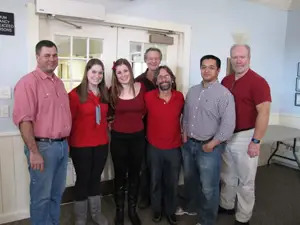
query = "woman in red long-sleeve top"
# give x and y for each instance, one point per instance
(127, 137)
(89, 140)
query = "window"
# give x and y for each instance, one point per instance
(74, 53)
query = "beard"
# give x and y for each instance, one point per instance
(164, 86)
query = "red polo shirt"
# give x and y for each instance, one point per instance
(85, 131)
(163, 120)
(248, 91)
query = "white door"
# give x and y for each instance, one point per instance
(77, 46)
(133, 43)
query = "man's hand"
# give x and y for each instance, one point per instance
(209, 147)
(184, 137)
(36, 161)
(253, 149)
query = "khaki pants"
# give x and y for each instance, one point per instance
(238, 172)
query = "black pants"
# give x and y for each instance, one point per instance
(164, 166)
(145, 178)
(89, 163)
(127, 151)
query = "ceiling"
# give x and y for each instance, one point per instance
(280, 4)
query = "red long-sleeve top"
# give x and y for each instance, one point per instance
(85, 131)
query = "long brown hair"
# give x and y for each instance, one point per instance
(82, 88)
(116, 86)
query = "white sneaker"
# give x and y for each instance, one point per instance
(180, 212)
(192, 214)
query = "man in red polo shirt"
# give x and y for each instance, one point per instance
(252, 100)
(164, 107)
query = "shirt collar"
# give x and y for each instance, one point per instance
(246, 74)
(209, 84)
(157, 93)
(44, 76)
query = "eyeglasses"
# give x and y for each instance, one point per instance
(153, 59)
(165, 77)
(208, 68)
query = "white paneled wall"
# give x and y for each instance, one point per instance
(14, 179)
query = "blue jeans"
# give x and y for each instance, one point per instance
(164, 170)
(204, 167)
(47, 187)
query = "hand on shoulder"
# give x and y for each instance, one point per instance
(137, 87)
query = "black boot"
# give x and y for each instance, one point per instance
(119, 201)
(132, 199)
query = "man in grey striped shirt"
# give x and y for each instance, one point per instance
(208, 121)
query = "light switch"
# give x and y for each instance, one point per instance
(4, 111)
(5, 92)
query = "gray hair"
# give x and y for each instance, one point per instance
(152, 49)
(243, 45)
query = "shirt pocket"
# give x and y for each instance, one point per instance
(46, 103)
(210, 107)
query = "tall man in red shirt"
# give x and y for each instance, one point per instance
(152, 58)
(252, 100)
(42, 113)
(164, 107)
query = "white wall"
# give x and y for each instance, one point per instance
(13, 54)
(292, 57)
(213, 23)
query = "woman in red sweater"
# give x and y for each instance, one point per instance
(89, 141)
(127, 137)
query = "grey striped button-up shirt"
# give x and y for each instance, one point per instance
(209, 112)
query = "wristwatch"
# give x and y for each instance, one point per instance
(255, 141)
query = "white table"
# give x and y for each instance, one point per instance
(279, 134)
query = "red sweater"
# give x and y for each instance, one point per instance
(85, 131)
(163, 120)
(129, 114)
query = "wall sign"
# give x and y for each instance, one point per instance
(7, 23)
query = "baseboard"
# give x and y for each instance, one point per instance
(15, 216)
(290, 120)
(274, 118)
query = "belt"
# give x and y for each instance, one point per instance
(236, 131)
(200, 141)
(49, 139)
